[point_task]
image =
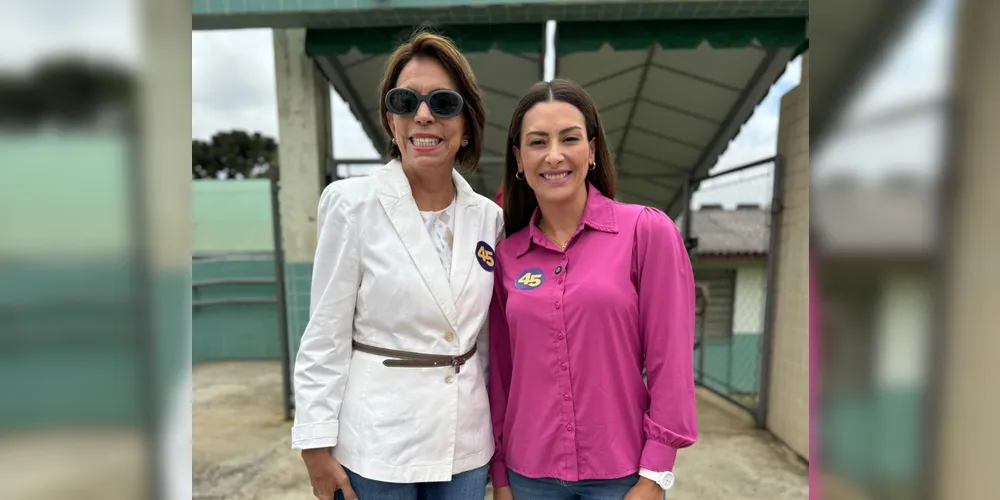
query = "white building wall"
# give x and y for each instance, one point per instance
(903, 329)
(749, 300)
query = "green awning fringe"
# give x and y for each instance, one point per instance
(507, 38)
(680, 34)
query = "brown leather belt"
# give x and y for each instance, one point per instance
(415, 359)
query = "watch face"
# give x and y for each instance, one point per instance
(667, 480)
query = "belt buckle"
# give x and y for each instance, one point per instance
(457, 362)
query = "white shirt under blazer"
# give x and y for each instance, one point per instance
(378, 280)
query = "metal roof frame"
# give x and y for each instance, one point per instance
(672, 101)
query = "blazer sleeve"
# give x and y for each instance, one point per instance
(666, 324)
(323, 360)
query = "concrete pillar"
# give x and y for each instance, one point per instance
(165, 120)
(788, 399)
(304, 150)
(967, 434)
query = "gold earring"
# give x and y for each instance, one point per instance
(521, 178)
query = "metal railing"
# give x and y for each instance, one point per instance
(231, 300)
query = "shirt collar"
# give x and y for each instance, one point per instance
(598, 214)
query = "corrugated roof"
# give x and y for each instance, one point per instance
(894, 218)
(721, 232)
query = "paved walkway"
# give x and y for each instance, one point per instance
(241, 449)
(732, 460)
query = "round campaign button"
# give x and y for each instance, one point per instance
(485, 256)
(530, 279)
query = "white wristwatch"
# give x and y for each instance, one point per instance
(664, 479)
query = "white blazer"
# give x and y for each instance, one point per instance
(377, 279)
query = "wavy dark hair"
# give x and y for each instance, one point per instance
(519, 200)
(425, 43)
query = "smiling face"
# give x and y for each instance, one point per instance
(426, 141)
(555, 153)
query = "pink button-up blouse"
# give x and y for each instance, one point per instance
(570, 333)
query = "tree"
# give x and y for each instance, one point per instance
(69, 93)
(233, 155)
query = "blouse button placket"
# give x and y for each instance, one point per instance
(560, 334)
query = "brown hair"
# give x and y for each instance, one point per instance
(519, 200)
(424, 43)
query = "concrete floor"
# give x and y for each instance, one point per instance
(241, 446)
(72, 464)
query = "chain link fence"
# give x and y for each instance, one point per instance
(728, 359)
(730, 249)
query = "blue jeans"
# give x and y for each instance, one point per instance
(529, 488)
(469, 485)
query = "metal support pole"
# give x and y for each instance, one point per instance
(703, 346)
(772, 276)
(555, 49)
(689, 245)
(545, 46)
(279, 278)
(740, 168)
(686, 228)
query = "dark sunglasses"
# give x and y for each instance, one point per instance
(442, 103)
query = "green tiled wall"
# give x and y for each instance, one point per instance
(732, 366)
(248, 331)
(248, 268)
(94, 384)
(298, 279)
(234, 331)
(72, 352)
(873, 438)
(171, 296)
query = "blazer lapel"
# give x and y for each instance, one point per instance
(397, 200)
(468, 221)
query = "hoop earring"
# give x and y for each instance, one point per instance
(521, 178)
(593, 166)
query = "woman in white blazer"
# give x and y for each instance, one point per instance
(390, 378)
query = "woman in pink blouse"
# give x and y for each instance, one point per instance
(588, 293)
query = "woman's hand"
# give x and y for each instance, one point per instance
(645, 490)
(503, 493)
(327, 475)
